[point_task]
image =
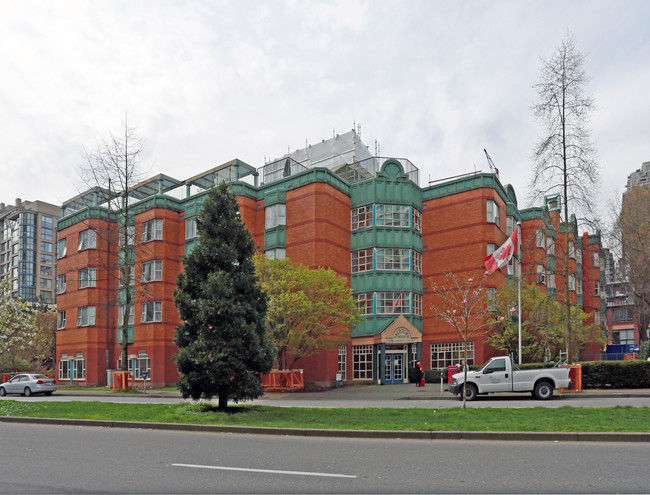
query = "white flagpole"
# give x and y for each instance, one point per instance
(519, 284)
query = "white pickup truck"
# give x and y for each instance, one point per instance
(500, 375)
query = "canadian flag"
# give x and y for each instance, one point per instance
(502, 256)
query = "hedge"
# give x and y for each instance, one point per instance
(595, 374)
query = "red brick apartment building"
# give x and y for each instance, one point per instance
(333, 205)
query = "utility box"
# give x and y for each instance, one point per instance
(451, 371)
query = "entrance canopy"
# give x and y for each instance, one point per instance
(400, 331)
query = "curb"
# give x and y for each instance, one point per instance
(368, 434)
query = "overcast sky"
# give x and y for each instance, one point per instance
(208, 81)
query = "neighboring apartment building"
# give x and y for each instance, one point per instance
(28, 249)
(364, 217)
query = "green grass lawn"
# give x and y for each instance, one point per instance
(573, 419)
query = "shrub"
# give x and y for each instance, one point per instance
(644, 350)
(616, 374)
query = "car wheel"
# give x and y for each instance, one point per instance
(48, 393)
(3, 392)
(470, 392)
(28, 392)
(543, 391)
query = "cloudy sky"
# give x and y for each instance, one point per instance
(208, 81)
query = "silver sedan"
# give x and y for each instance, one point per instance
(27, 384)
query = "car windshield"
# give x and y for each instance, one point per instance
(40, 377)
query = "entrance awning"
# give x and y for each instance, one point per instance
(400, 331)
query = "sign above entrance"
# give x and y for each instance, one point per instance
(401, 336)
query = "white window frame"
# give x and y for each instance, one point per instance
(572, 282)
(450, 354)
(64, 367)
(395, 303)
(87, 239)
(152, 230)
(276, 254)
(61, 283)
(87, 277)
(190, 228)
(151, 312)
(364, 302)
(130, 236)
(361, 217)
(362, 260)
(151, 271)
(492, 212)
(540, 240)
(79, 367)
(120, 314)
(342, 362)
(541, 274)
(275, 215)
(417, 262)
(387, 215)
(60, 320)
(392, 259)
(61, 248)
(86, 316)
(362, 362)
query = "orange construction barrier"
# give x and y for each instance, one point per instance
(122, 380)
(575, 373)
(283, 381)
(630, 357)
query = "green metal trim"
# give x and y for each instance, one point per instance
(375, 324)
(275, 237)
(395, 237)
(275, 197)
(386, 281)
(464, 184)
(96, 212)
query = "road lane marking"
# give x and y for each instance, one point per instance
(271, 471)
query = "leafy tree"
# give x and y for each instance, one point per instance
(222, 342)
(565, 157)
(466, 306)
(542, 325)
(309, 309)
(42, 352)
(17, 325)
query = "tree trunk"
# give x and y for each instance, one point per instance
(223, 402)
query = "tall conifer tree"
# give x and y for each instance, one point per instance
(222, 342)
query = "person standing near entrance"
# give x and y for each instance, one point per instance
(419, 374)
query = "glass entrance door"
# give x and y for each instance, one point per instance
(394, 370)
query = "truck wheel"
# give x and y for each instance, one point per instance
(543, 391)
(470, 392)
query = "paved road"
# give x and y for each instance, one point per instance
(374, 396)
(56, 459)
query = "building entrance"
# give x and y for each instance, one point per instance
(394, 368)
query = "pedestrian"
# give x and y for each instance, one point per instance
(419, 374)
(463, 366)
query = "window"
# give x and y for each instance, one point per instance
(491, 248)
(541, 274)
(343, 350)
(551, 280)
(86, 316)
(276, 254)
(60, 284)
(492, 301)
(417, 220)
(625, 336)
(152, 230)
(496, 365)
(151, 271)
(393, 259)
(60, 320)
(79, 367)
(362, 260)
(550, 246)
(539, 238)
(46, 247)
(597, 318)
(87, 277)
(151, 311)
(46, 283)
(579, 287)
(417, 304)
(511, 225)
(596, 288)
(417, 262)
(275, 215)
(142, 366)
(364, 303)
(362, 217)
(393, 303)
(623, 315)
(87, 239)
(64, 367)
(61, 248)
(572, 249)
(596, 259)
(130, 235)
(579, 255)
(572, 282)
(392, 215)
(47, 228)
(362, 362)
(46, 259)
(190, 228)
(46, 296)
(452, 353)
(492, 212)
(120, 315)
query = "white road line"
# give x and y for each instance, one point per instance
(271, 471)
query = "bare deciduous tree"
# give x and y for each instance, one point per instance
(564, 159)
(115, 165)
